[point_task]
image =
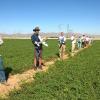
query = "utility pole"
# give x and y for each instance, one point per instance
(67, 28)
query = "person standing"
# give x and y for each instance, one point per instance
(83, 41)
(62, 40)
(1, 40)
(87, 41)
(79, 42)
(73, 40)
(37, 41)
(90, 40)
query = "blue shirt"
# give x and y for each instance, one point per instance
(34, 39)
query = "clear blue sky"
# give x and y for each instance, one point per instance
(51, 15)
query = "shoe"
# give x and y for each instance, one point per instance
(34, 67)
(40, 67)
(42, 64)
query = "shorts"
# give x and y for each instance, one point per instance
(37, 53)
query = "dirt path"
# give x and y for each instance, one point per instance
(15, 81)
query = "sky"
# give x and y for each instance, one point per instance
(21, 16)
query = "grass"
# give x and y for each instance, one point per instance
(77, 78)
(18, 54)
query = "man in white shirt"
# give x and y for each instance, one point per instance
(62, 40)
(87, 41)
(73, 40)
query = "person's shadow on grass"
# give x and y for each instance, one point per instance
(8, 70)
(57, 54)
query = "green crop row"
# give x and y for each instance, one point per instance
(76, 78)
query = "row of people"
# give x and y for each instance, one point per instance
(38, 48)
(79, 42)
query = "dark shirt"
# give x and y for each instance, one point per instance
(34, 39)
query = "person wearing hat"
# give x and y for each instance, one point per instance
(37, 41)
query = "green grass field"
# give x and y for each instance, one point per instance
(18, 54)
(77, 78)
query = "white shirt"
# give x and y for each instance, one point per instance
(41, 40)
(62, 39)
(83, 38)
(73, 39)
(87, 38)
